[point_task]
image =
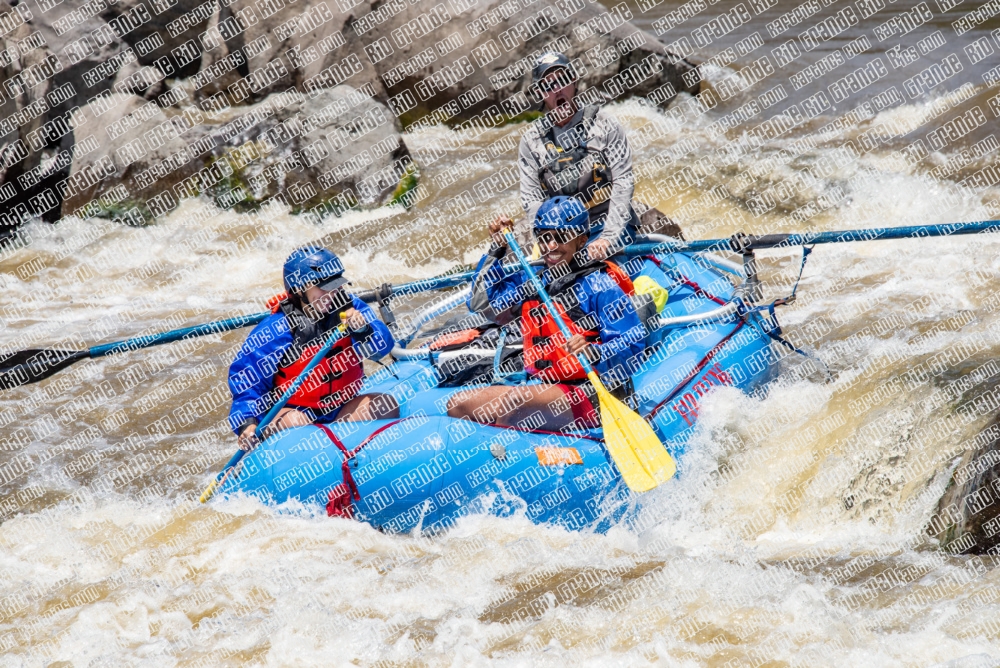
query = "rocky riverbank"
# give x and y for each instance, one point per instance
(124, 109)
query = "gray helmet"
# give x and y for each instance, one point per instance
(550, 61)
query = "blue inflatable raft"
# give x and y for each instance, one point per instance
(425, 469)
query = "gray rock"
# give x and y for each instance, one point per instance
(336, 148)
(143, 80)
(90, 54)
(336, 144)
(76, 59)
(296, 44)
(12, 150)
(480, 77)
(168, 39)
(414, 58)
(313, 43)
(38, 90)
(967, 519)
(119, 142)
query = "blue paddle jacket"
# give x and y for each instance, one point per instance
(622, 334)
(251, 375)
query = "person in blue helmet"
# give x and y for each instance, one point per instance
(593, 297)
(280, 347)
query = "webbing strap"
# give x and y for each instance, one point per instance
(339, 501)
(773, 330)
(586, 123)
(497, 376)
(341, 496)
(806, 250)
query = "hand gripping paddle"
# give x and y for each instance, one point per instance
(336, 335)
(633, 445)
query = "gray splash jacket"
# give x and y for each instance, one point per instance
(606, 135)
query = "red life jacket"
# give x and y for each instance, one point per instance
(619, 276)
(335, 380)
(544, 356)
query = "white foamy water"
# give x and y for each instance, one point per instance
(795, 537)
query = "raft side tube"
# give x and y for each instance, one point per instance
(428, 472)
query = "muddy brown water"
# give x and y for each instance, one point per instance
(796, 535)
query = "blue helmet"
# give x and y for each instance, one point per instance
(562, 213)
(313, 265)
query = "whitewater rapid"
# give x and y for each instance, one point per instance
(795, 535)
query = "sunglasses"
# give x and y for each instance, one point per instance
(549, 85)
(549, 237)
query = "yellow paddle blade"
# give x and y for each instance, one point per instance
(640, 457)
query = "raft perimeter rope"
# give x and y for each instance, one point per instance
(339, 502)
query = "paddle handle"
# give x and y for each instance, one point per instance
(337, 334)
(540, 290)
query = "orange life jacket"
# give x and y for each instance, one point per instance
(544, 356)
(619, 276)
(274, 303)
(335, 380)
(456, 339)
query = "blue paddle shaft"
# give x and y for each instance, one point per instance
(335, 336)
(233, 461)
(537, 284)
(176, 335)
(809, 238)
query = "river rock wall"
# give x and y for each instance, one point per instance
(106, 106)
(968, 515)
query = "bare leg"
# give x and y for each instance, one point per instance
(287, 417)
(465, 404)
(540, 406)
(369, 407)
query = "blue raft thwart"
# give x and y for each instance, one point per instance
(425, 469)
